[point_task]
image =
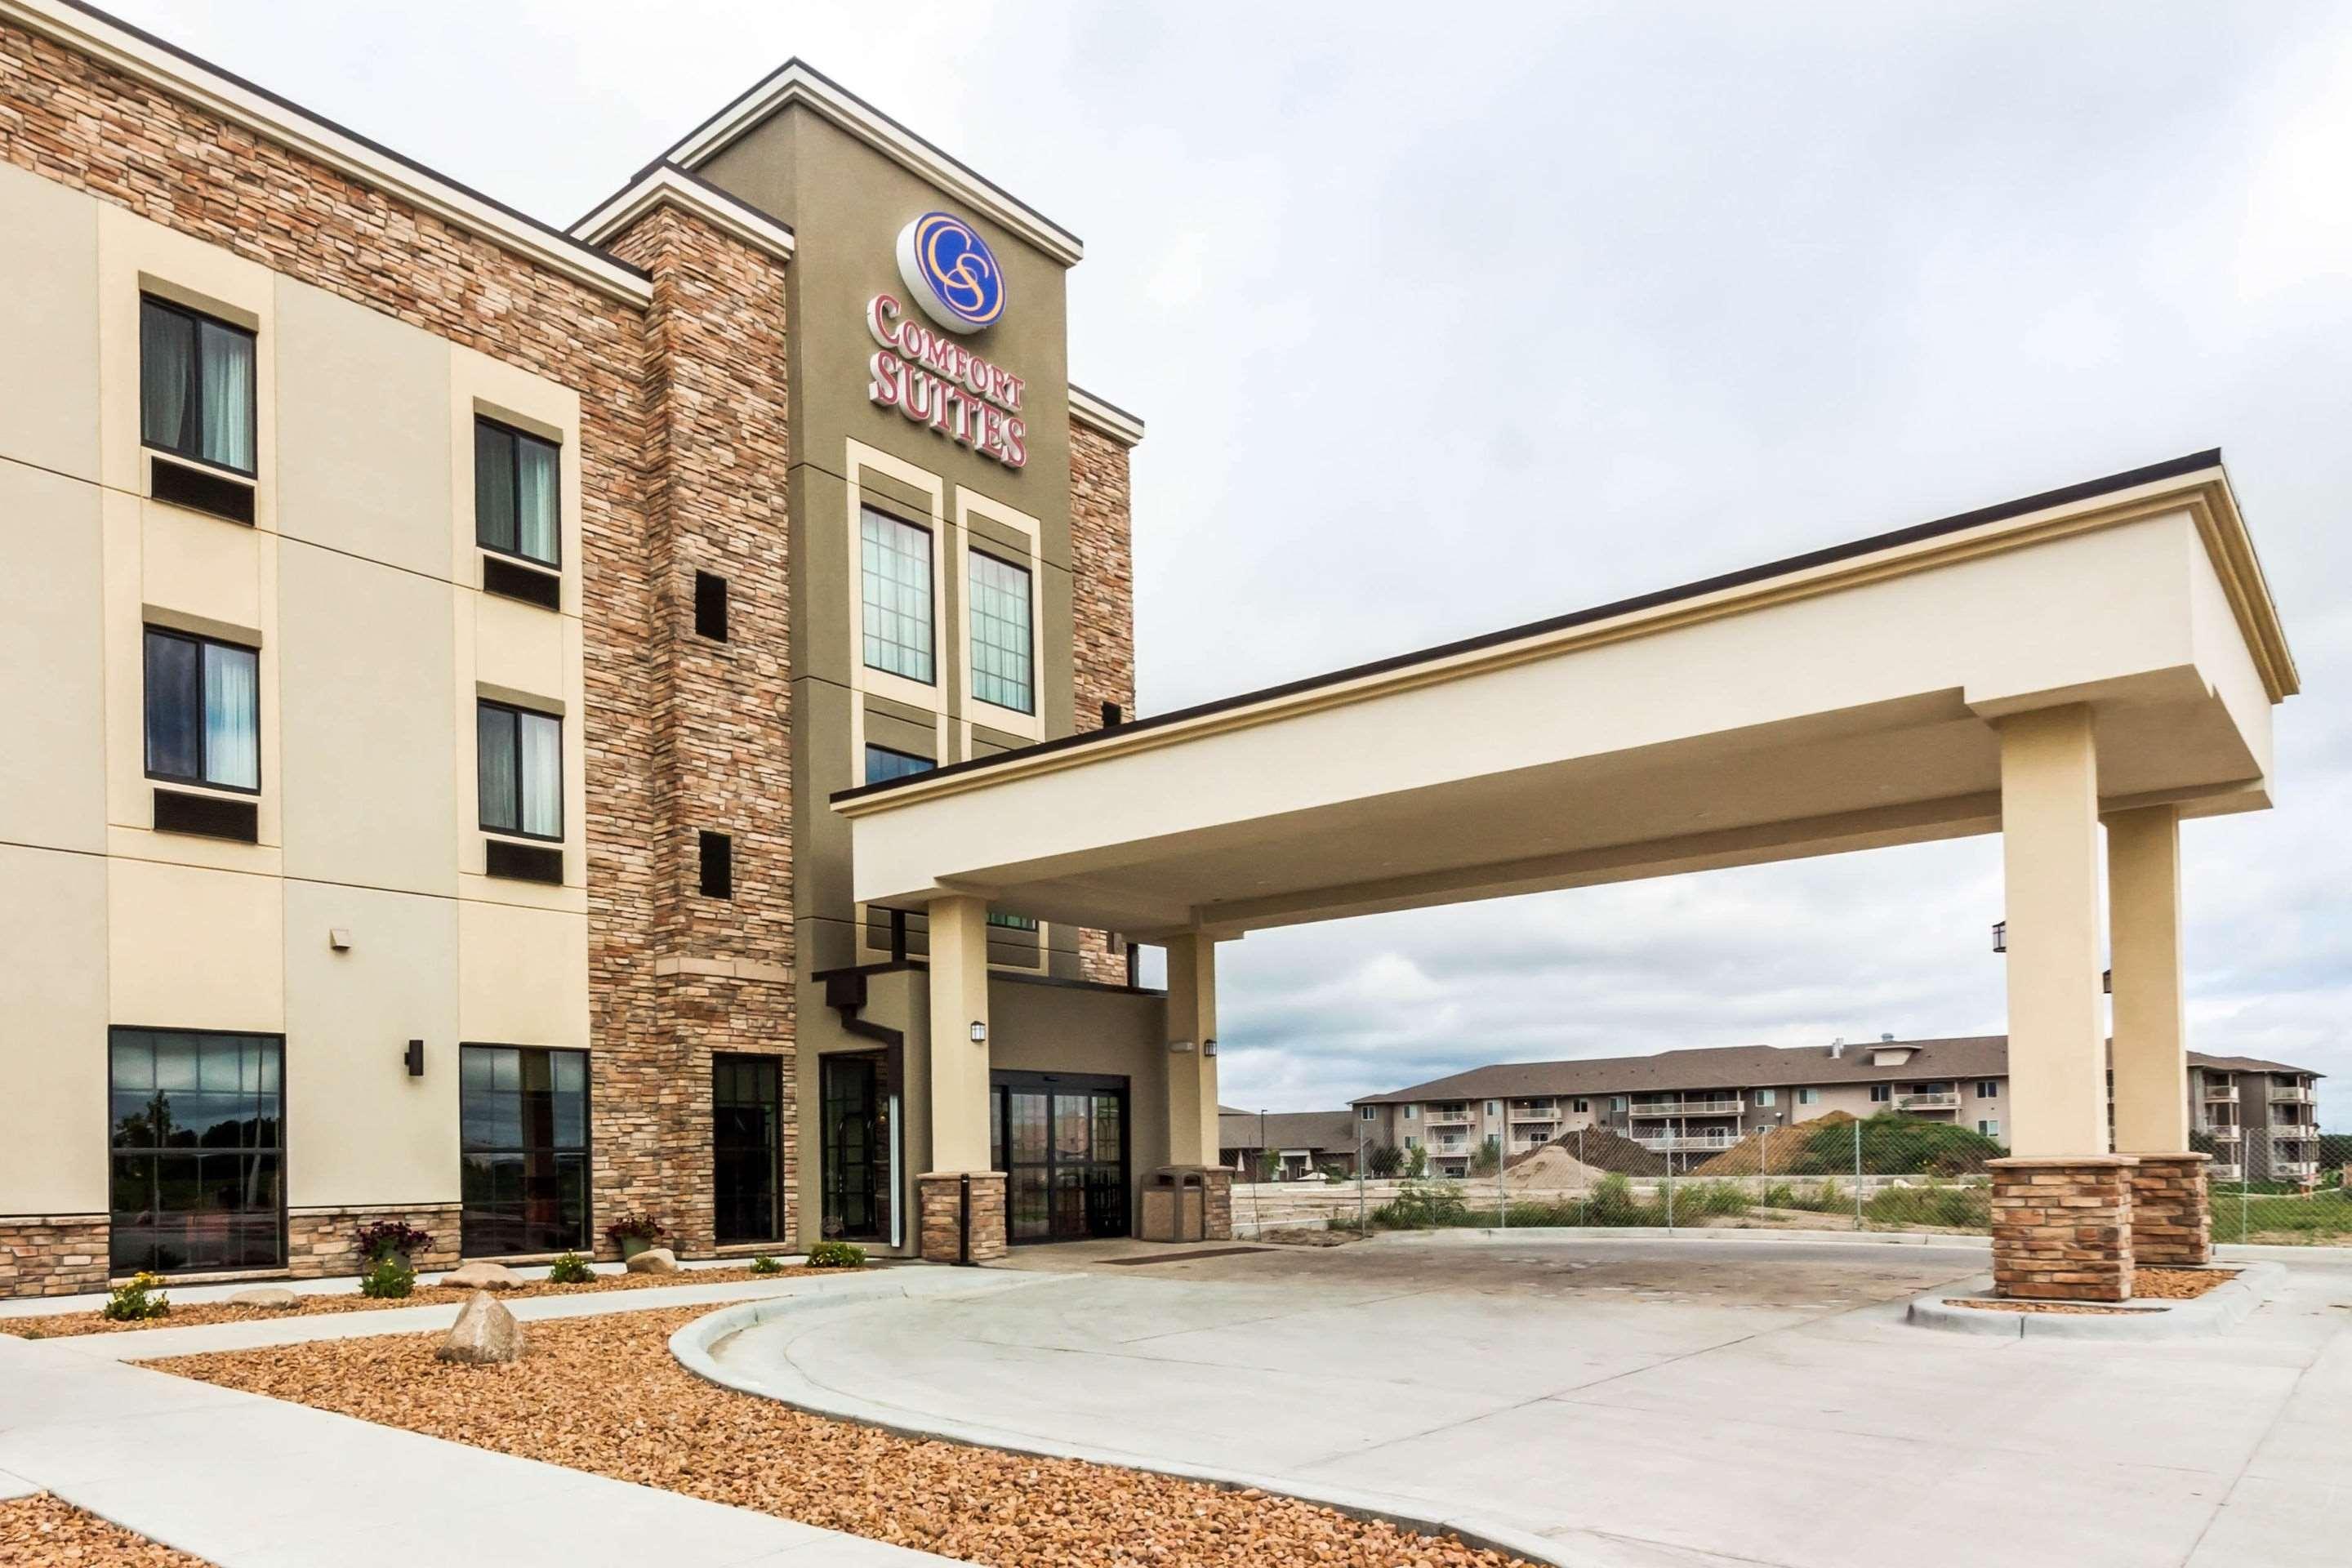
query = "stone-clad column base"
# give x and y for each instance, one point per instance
(52, 1254)
(938, 1199)
(1217, 1204)
(2171, 1215)
(2061, 1229)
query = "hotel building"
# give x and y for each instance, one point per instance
(431, 638)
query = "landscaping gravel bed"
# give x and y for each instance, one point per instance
(2148, 1285)
(41, 1530)
(196, 1314)
(603, 1394)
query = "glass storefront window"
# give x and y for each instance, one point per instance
(523, 1125)
(197, 1142)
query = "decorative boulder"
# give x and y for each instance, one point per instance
(482, 1277)
(483, 1334)
(275, 1297)
(654, 1261)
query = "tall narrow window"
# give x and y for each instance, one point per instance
(896, 584)
(196, 385)
(717, 856)
(746, 1147)
(523, 1118)
(1001, 670)
(197, 1139)
(203, 711)
(882, 764)
(520, 762)
(710, 607)
(516, 493)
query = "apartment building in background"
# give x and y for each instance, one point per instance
(2261, 1116)
(1301, 1141)
(431, 638)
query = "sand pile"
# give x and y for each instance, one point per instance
(1779, 1148)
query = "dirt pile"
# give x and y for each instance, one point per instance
(1773, 1151)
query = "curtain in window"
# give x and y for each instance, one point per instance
(167, 349)
(535, 491)
(494, 735)
(232, 717)
(542, 774)
(226, 367)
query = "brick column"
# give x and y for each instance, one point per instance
(2171, 1215)
(939, 1197)
(1217, 1205)
(2062, 1228)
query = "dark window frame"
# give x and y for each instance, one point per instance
(586, 1150)
(872, 747)
(771, 1066)
(711, 606)
(514, 495)
(514, 711)
(195, 403)
(114, 1151)
(204, 760)
(705, 841)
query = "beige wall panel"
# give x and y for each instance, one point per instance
(191, 948)
(360, 1130)
(1056, 1028)
(48, 275)
(53, 1032)
(522, 976)
(201, 566)
(2222, 659)
(363, 431)
(52, 654)
(366, 723)
(519, 649)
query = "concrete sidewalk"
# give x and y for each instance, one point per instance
(249, 1482)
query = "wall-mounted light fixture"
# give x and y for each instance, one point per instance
(1179, 1045)
(414, 1057)
(979, 1032)
(339, 937)
(1208, 1047)
(2000, 936)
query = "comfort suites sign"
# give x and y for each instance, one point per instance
(921, 370)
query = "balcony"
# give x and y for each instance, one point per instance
(1912, 1104)
(2220, 1093)
(1678, 1143)
(1530, 1110)
(1723, 1105)
(1458, 1117)
(2220, 1173)
(2294, 1133)
(2223, 1133)
(2282, 1095)
(2294, 1170)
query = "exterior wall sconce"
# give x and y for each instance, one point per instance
(979, 1033)
(1208, 1047)
(414, 1057)
(2107, 981)
(1180, 1046)
(2000, 936)
(338, 938)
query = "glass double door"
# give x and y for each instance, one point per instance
(1061, 1139)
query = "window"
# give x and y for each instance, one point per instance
(1493, 1109)
(196, 386)
(1413, 1113)
(1369, 1113)
(1990, 1127)
(520, 768)
(516, 488)
(1809, 1097)
(523, 1125)
(1988, 1089)
(1583, 1106)
(1765, 1097)
(197, 1139)
(897, 588)
(1000, 634)
(1011, 922)
(710, 607)
(883, 763)
(746, 1147)
(204, 717)
(1411, 1142)
(718, 852)
(1880, 1093)
(1617, 1103)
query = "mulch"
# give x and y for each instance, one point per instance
(44, 1532)
(2148, 1285)
(604, 1395)
(196, 1314)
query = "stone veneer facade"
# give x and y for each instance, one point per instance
(2061, 1229)
(684, 451)
(2171, 1212)
(323, 1242)
(1217, 1205)
(939, 1197)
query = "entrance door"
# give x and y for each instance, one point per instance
(1061, 1139)
(746, 1147)
(855, 1138)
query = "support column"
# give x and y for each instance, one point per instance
(2061, 1205)
(2172, 1218)
(959, 1200)
(1192, 1074)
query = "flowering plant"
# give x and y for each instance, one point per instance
(379, 1237)
(635, 1228)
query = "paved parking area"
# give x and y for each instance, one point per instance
(1635, 1404)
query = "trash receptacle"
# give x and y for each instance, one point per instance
(1175, 1205)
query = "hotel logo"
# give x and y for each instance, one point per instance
(951, 273)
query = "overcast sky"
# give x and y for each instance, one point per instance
(1606, 298)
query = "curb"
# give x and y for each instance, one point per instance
(691, 1345)
(1474, 1234)
(2215, 1312)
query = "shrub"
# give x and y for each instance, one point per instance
(378, 1238)
(1386, 1159)
(761, 1263)
(137, 1300)
(1933, 1202)
(389, 1277)
(570, 1270)
(1779, 1196)
(1421, 1205)
(635, 1228)
(1612, 1201)
(836, 1255)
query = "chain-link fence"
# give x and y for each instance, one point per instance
(2274, 1188)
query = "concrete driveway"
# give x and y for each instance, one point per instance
(1635, 1403)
